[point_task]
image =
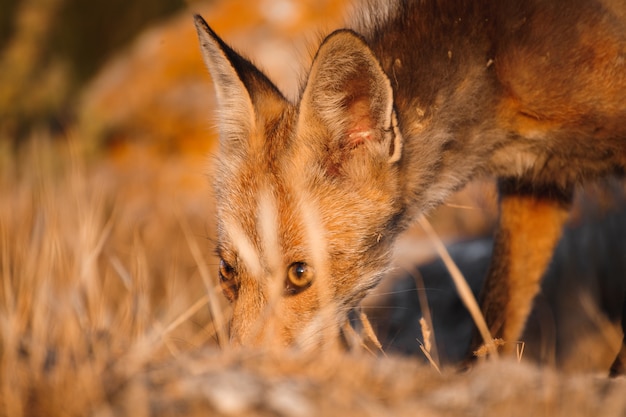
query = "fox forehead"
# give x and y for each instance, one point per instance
(259, 234)
(259, 204)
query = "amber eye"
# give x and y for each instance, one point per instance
(230, 286)
(227, 273)
(299, 276)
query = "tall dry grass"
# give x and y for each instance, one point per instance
(100, 274)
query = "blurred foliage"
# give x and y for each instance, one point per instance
(87, 32)
(7, 9)
(49, 48)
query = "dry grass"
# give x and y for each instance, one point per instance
(97, 273)
(105, 289)
(462, 287)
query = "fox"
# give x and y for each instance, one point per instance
(406, 104)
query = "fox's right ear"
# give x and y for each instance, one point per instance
(236, 113)
(239, 86)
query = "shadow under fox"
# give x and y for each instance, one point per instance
(575, 319)
(411, 102)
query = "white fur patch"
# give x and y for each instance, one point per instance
(397, 138)
(515, 162)
(315, 234)
(244, 247)
(267, 224)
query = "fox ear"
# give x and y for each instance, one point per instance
(349, 93)
(244, 93)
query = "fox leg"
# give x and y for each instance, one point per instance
(530, 225)
(619, 365)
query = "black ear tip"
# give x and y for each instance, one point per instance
(203, 26)
(200, 22)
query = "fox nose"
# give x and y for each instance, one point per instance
(256, 329)
(263, 335)
(240, 338)
(240, 332)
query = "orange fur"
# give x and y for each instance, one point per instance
(529, 229)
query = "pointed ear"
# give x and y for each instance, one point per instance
(244, 93)
(349, 93)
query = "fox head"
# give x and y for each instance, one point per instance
(307, 193)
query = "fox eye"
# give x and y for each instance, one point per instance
(227, 272)
(227, 279)
(299, 277)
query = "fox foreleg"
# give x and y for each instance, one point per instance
(529, 228)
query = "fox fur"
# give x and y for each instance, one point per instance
(410, 102)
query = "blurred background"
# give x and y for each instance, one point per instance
(52, 49)
(118, 71)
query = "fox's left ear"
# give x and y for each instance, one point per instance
(348, 91)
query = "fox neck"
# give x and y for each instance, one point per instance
(444, 89)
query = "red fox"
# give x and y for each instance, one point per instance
(410, 102)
